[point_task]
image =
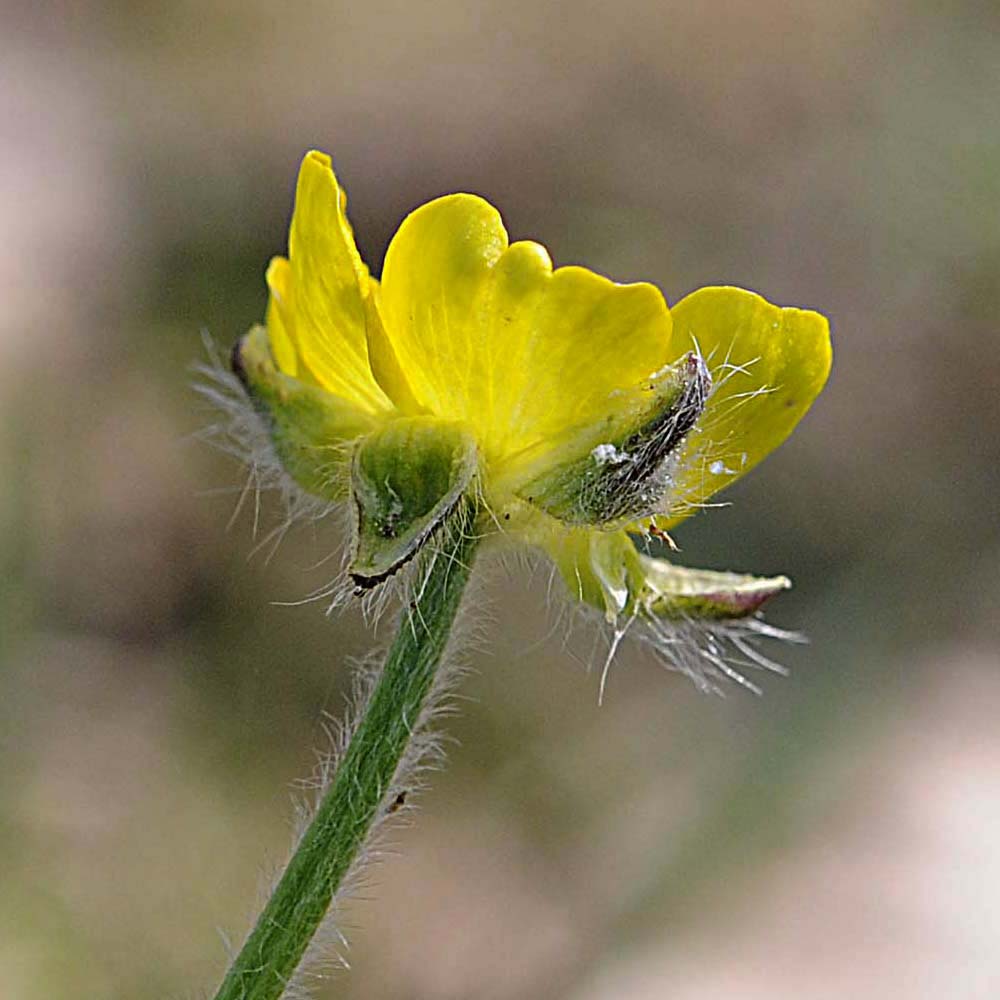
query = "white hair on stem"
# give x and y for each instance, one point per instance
(241, 433)
(424, 754)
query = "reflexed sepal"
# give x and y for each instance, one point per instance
(675, 591)
(622, 472)
(309, 427)
(605, 570)
(405, 480)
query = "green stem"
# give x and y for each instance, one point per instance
(350, 808)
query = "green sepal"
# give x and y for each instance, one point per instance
(620, 473)
(311, 429)
(600, 568)
(405, 480)
(677, 592)
(605, 570)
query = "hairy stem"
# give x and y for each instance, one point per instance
(356, 798)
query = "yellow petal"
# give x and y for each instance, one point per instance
(278, 308)
(580, 352)
(329, 284)
(768, 364)
(436, 270)
(384, 363)
(490, 334)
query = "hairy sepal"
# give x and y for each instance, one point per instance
(605, 570)
(311, 429)
(621, 472)
(405, 480)
(678, 592)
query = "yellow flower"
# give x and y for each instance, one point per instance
(582, 412)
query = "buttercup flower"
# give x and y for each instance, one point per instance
(583, 415)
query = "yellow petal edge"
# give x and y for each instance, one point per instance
(319, 293)
(768, 365)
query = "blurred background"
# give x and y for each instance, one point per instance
(835, 837)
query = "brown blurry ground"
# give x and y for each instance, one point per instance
(833, 838)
